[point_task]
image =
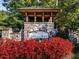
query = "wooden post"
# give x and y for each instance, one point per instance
(34, 16)
(26, 17)
(43, 17)
(51, 17)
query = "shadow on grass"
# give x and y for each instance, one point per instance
(76, 53)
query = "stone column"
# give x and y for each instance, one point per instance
(10, 31)
(25, 31)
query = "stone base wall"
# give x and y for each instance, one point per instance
(8, 33)
(38, 26)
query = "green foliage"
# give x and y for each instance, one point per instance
(9, 20)
(14, 18)
(63, 35)
(69, 17)
(3, 16)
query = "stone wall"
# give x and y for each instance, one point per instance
(43, 26)
(8, 33)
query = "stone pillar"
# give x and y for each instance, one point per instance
(10, 31)
(25, 31)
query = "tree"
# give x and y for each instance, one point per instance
(14, 18)
(3, 16)
(69, 15)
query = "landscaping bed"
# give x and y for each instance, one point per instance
(52, 48)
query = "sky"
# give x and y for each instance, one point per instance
(2, 7)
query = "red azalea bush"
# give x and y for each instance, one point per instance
(53, 48)
(57, 48)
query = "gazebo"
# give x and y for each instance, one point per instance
(38, 19)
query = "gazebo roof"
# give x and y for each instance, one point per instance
(38, 9)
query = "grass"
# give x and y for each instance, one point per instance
(76, 53)
(76, 56)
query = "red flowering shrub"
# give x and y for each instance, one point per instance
(57, 47)
(53, 48)
(31, 49)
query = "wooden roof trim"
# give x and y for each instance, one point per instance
(39, 10)
(31, 9)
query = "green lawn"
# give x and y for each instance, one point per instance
(76, 53)
(76, 56)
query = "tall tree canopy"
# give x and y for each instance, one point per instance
(3, 16)
(69, 16)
